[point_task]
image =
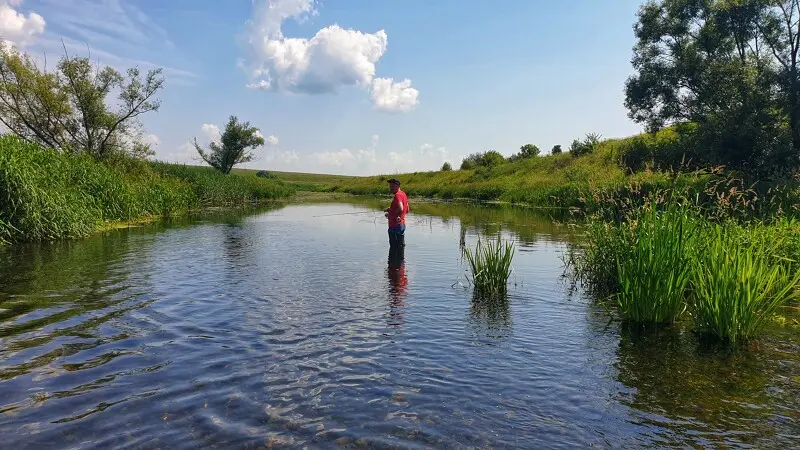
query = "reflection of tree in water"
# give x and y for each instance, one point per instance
(702, 387)
(55, 283)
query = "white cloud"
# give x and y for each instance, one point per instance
(151, 139)
(17, 28)
(332, 59)
(211, 131)
(391, 96)
(113, 32)
(271, 140)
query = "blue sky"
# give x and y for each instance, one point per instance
(334, 96)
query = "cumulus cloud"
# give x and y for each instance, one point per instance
(16, 27)
(271, 140)
(391, 96)
(151, 140)
(211, 131)
(332, 59)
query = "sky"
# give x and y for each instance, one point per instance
(356, 87)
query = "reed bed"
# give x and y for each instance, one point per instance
(668, 256)
(47, 195)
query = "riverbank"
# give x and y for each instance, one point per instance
(600, 180)
(47, 195)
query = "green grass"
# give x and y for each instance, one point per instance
(47, 195)
(667, 257)
(740, 281)
(309, 182)
(215, 189)
(490, 266)
(653, 271)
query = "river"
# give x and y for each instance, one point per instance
(289, 327)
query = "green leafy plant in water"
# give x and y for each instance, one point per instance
(654, 275)
(739, 282)
(490, 266)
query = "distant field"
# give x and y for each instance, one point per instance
(305, 181)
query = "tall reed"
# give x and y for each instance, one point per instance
(654, 274)
(739, 281)
(490, 266)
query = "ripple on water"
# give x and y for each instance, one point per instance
(292, 331)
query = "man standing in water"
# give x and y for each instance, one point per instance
(396, 213)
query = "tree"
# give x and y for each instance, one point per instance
(233, 147)
(490, 158)
(587, 145)
(446, 167)
(730, 68)
(67, 109)
(556, 150)
(528, 151)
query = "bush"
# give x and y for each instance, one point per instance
(446, 167)
(556, 150)
(586, 146)
(265, 174)
(492, 158)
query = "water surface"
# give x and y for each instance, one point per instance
(290, 327)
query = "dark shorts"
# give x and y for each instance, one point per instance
(401, 229)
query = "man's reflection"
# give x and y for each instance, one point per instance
(398, 282)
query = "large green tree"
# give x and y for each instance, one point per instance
(68, 108)
(728, 68)
(233, 147)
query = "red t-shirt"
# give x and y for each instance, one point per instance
(399, 196)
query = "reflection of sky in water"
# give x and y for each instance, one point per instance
(285, 328)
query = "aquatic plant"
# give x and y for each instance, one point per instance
(739, 280)
(490, 266)
(653, 272)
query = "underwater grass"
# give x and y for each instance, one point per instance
(490, 266)
(739, 282)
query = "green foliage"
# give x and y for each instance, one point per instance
(665, 256)
(739, 282)
(446, 167)
(588, 145)
(213, 188)
(556, 150)
(68, 109)
(490, 267)
(653, 270)
(526, 151)
(265, 174)
(728, 67)
(233, 148)
(46, 194)
(490, 158)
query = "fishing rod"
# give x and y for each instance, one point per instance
(347, 214)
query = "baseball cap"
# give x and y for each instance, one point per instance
(393, 180)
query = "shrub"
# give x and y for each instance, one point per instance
(446, 167)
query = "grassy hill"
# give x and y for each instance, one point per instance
(304, 181)
(546, 181)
